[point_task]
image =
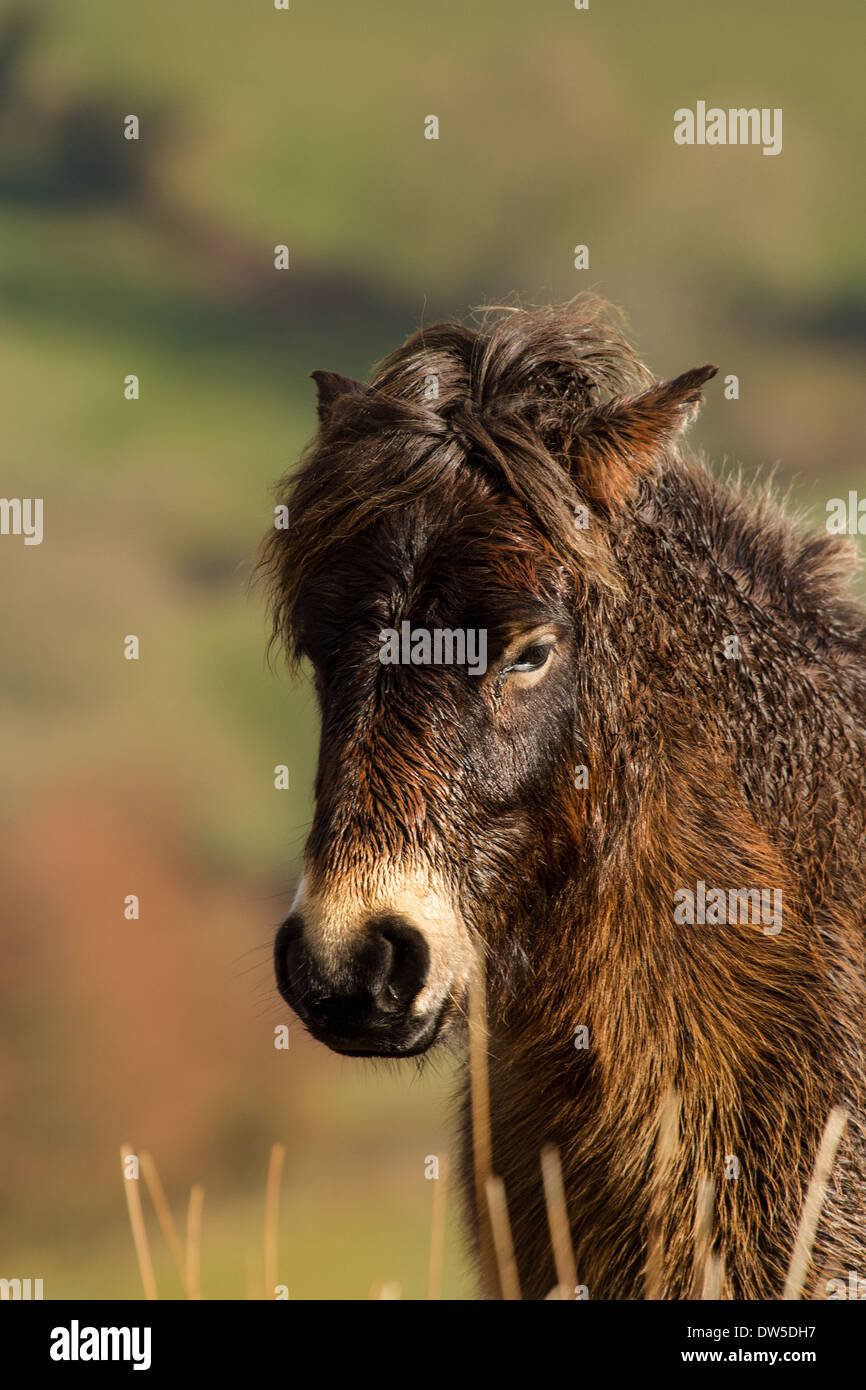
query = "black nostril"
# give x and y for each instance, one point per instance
(372, 990)
(402, 962)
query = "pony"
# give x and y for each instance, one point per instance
(640, 819)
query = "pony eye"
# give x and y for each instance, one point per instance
(532, 658)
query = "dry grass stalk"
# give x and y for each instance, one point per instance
(437, 1231)
(481, 1141)
(814, 1203)
(139, 1231)
(667, 1144)
(502, 1242)
(381, 1290)
(557, 1221)
(193, 1241)
(714, 1277)
(164, 1216)
(703, 1234)
(272, 1215)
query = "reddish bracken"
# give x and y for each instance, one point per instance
(673, 710)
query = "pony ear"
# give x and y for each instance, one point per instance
(330, 386)
(622, 439)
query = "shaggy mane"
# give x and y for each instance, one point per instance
(506, 398)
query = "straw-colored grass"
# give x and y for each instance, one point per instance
(385, 1290)
(703, 1237)
(814, 1203)
(502, 1242)
(139, 1230)
(667, 1144)
(500, 1278)
(714, 1277)
(272, 1217)
(164, 1216)
(481, 1140)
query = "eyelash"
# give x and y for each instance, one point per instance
(521, 666)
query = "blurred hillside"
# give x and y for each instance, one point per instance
(156, 258)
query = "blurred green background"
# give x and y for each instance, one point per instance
(155, 257)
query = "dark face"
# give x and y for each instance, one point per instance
(434, 775)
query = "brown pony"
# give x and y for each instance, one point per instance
(598, 719)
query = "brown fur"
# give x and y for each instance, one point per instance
(460, 509)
